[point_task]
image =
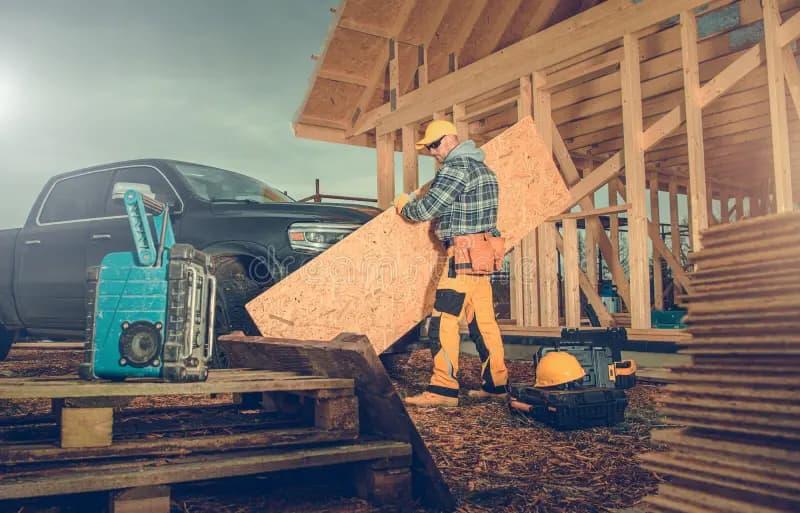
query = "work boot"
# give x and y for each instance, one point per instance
(430, 399)
(483, 394)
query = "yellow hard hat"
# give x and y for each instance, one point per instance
(435, 130)
(556, 368)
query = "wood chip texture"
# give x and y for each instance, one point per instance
(380, 280)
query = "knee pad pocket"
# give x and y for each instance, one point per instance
(449, 301)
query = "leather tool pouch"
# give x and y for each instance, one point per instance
(478, 253)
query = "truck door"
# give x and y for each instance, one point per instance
(50, 259)
(112, 234)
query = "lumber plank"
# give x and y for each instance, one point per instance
(380, 280)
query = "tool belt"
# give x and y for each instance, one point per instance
(478, 253)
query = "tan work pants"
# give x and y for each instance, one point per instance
(470, 297)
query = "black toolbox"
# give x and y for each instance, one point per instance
(571, 409)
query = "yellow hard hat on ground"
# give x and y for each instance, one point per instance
(435, 130)
(556, 368)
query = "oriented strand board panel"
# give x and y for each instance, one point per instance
(380, 280)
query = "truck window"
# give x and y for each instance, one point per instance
(146, 175)
(75, 198)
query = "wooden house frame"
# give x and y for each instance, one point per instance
(688, 97)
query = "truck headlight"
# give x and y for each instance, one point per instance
(317, 237)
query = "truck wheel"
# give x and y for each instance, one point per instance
(6, 340)
(235, 288)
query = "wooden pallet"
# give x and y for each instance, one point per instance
(272, 421)
(84, 413)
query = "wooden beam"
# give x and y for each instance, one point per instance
(792, 77)
(583, 214)
(781, 159)
(385, 151)
(548, 256)
(724, 209)
(376, 73)
(342, 76)
(525, 258)
(694, 126)
(466, 30)
(410, 159)
(789, 30)
(462, 126)
(655, 216)
(613, 220)
(596, 27)
(635, 183)
(394, 73)
(572, 299)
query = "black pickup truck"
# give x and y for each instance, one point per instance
(256, 234)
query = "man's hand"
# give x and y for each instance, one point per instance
(401, 201)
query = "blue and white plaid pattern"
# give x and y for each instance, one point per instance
(463, 199)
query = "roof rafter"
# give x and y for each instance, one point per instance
(378, 71)
(490, 29)
(541, 17)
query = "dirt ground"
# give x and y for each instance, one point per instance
(493, 461)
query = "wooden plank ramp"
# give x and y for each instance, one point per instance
(381, 411)
(740, 399)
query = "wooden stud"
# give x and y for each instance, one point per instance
(739, 205)
(572, 299)
(674, 222)
(694, 127)
(724, 209)
(144, 499)
(525, 258)
(86, 427)
(589, 242)
(781, 157)
(655, 215)
(548, 255)
(635, 184)
(462, 127)
(422, 65)
(613, 219)
(385, 151)
(394, 73)
(410, 159)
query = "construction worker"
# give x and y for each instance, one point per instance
(463, 202)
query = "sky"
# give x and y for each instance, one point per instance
(86, 82)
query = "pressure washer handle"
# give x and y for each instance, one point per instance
(153, 205)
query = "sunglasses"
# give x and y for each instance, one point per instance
(434, 144)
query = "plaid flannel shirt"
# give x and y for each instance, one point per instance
(463, 199)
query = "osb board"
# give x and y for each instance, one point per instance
(380, 280)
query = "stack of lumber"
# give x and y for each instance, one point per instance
(740, 400)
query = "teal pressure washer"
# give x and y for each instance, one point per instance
(151, 312)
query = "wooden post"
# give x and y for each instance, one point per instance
(724, 207)
(694, 128)
(781, 151)
(462, 127)
(525, 258)
(86, 427)
(613, 220)
(548, 255)
(385, 150)
(674, 225)
(712, 219)
(589, 240)
(635, 185)
(410, 159)
(739, 205)
(422, 65)
(394, 74)
(655, 214)
(572, 298)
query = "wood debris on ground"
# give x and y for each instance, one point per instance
(492, 460)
